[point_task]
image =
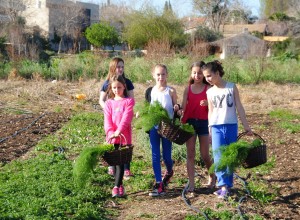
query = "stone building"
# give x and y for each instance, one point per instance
(57, 17)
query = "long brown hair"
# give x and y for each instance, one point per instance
(214, 66)
(119, 79)
(199, 64)
(113, 66)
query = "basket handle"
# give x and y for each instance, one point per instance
(255, 134)
(177, 116)
(121, 136)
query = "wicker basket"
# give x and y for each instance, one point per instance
(257, 155)
(122, 155)
(173, 132)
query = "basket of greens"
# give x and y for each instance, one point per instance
(257, 154)
(175, 131)
(244, 153)
(155, 115)
(121, 155)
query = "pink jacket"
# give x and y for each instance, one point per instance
(118, 115)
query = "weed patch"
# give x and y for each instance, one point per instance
(288, 120)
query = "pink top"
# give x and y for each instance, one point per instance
(118, 115)
(193, 108)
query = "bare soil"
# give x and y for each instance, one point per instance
(30, 110)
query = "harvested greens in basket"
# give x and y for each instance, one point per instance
(87, 160)
(234, 155)
(152, 114)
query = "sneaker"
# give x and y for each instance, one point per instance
(158, 190)
(222, 193)
(115, 192)
(121, 191)
(167, 177)
(127, 174)
(190, 194)
(218, 192)
(111, 170)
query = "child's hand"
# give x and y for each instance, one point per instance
(249, 131)
(176, 107)
(180, 112)
(204, 102)
(115, 135)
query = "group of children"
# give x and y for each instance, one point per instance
(209, 105)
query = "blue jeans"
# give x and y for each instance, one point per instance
(223, 135)
(155, 140)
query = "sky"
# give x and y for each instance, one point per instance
(180, 7)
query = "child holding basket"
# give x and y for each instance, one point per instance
(118, 115)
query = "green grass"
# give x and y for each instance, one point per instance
(138, 69)
(288, 120)
(44, 186)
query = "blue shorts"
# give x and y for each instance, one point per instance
(200, 126)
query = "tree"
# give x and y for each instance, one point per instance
(145, 26)
(220, 12)
(205, 34)
(102, 34)
(269, 7)
(278, 16)
(70, 23)
(215, 11)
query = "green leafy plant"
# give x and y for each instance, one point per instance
(234, 154)
(150, 115)
(87, 161)
(186, 127)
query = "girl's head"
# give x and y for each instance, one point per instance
(116, 67)
(213, 71)
(196, 73)
(160, 74)
(117, 87)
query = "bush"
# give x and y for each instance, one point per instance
(203, 33)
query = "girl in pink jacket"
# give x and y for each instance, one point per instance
(118, 115)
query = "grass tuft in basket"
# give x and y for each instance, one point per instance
(86, 162)
(233, 155)
(150, 115)
(186, 127)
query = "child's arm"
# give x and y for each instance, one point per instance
(173, 95)
(126, 117)
(241, 110)
(210, 110)
(184, 101)
(108, 125)
(130, 94)
(102, 99)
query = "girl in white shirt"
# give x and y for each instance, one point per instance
(223, 103)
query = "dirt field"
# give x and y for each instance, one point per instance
(29, 111)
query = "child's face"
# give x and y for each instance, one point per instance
(197, 74)
(210, 76)
(160, 75)
(118, 89)
(120, 68)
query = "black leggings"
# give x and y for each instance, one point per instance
(119, 173)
